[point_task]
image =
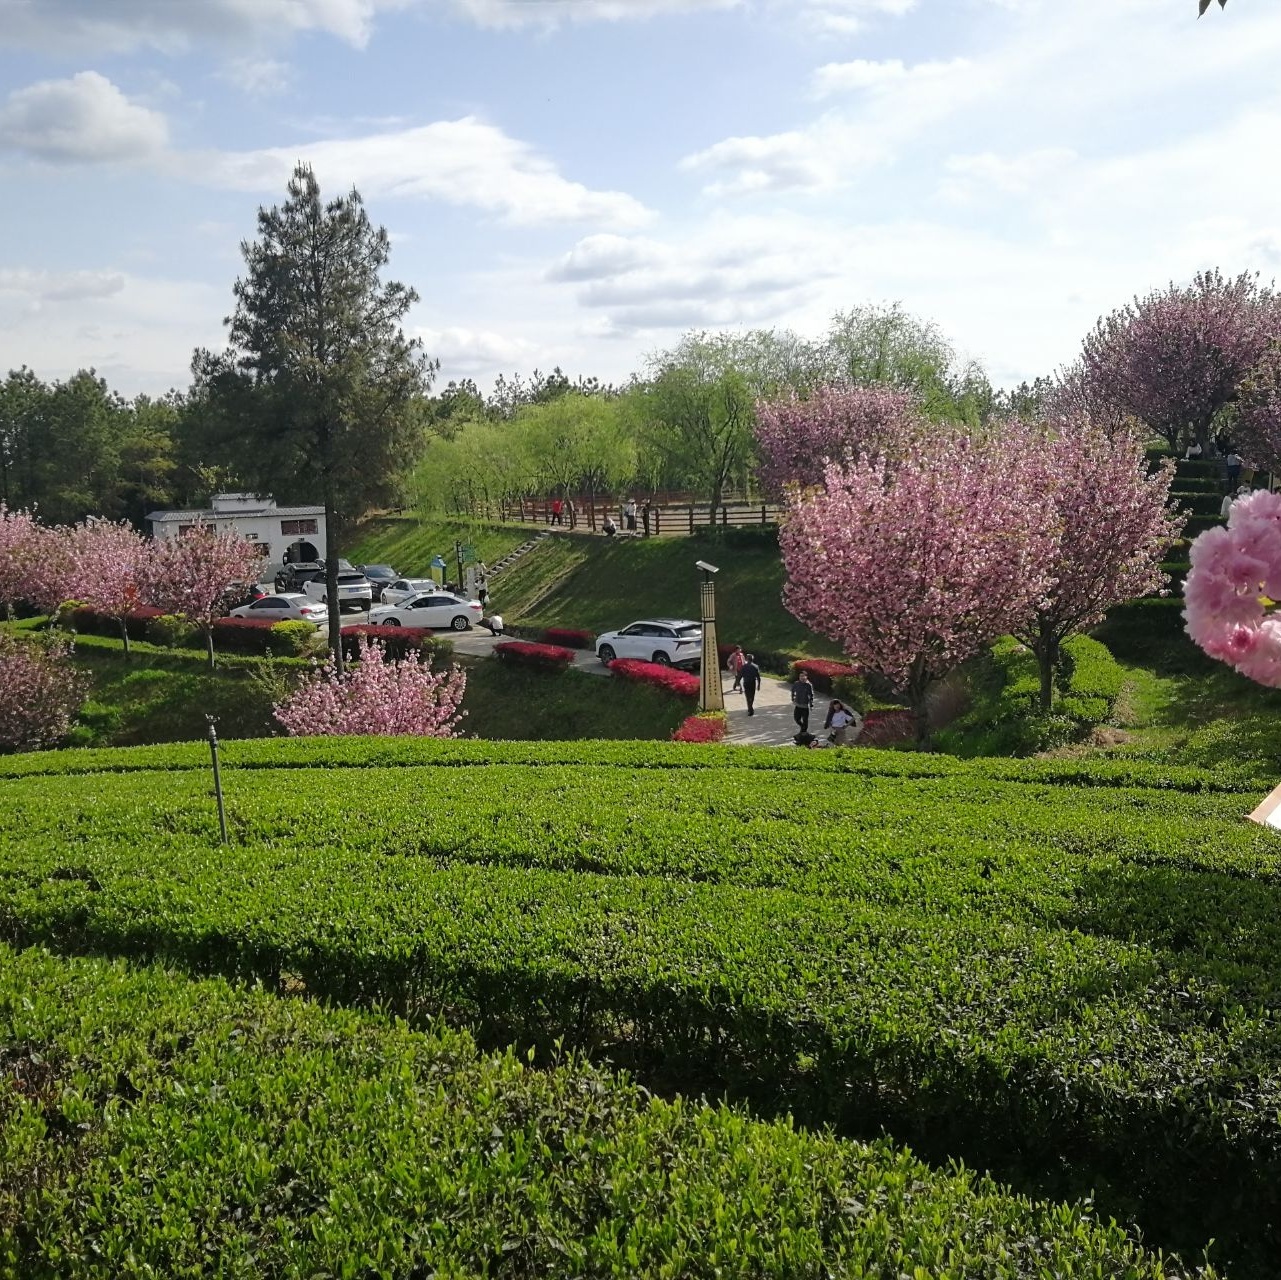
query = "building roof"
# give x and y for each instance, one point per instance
(210, 515)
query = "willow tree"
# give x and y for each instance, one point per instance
(318, 397)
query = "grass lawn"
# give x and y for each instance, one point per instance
(584, 580)
(163, 695)
(506, 703)
(408, 543)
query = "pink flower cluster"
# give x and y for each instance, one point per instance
(1230, 589)
(373, 696)
(681, 683)
(40, 694)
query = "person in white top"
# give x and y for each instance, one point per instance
(845, 723)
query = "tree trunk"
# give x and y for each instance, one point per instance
(918, 688)
(124, 635)
(209, 646)
(1047, 656)
(331, 589)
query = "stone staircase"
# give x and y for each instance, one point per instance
(511, 557)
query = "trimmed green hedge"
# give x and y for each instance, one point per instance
(1071, 986)
(156, 1126)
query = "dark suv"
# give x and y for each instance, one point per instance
(292, 576)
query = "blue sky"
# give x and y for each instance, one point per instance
(578, 182)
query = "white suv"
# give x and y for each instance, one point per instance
(673, 642)
(353, 588)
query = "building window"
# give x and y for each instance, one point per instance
(184, 529)
(298, 526)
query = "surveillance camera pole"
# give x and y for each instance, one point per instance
(711, 693)
(213, 751)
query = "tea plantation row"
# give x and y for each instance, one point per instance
(153, 1125)
(1071, 985)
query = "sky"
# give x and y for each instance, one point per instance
(580, 182)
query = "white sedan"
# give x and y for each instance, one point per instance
(431, 609)
(291, 606)
(405, 588)
(671, 642)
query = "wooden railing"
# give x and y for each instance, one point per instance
(667, 520)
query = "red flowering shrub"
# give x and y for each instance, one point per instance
(822, 671)
(91, 622)
(885, 728)
(681, 683)
(542, 657)
(396, 642)
(569, 637)
(262, 635)
(701, 728)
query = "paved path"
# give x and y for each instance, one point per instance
(771, 726)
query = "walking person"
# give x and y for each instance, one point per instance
(734, 665)
(558, 508)
(1233, 463)
(802, 703)
(629, 515)
(750, 675)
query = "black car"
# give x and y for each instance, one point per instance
(379, 575)
(292, 576)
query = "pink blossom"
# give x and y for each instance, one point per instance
(109, 566)
(191, 574)
(914, 568)
(797, 438)
(40, 693)
(373, 696)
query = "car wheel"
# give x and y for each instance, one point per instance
(662, 659)
(388, 622)
(606, 654)
(460, 624)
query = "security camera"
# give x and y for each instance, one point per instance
(706, 568)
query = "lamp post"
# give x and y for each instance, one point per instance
(711, 695)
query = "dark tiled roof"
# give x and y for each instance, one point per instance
(269, 512)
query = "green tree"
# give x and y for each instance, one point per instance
(320, 394)
(695, 415)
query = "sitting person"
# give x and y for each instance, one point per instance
(1193, 451)
(609, 528)
(844, 722)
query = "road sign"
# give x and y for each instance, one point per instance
(438, 562)
(469, 552)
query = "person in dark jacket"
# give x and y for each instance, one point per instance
(802, 702)
(750, 675)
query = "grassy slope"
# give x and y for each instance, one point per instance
(164, 695)
(587, 581)
(408, 543)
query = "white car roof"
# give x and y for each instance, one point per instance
(294, 597)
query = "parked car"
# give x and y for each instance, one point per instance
(430, 609)
(292, 577)
(283, 608)
(380, 576)
(353, 588)
(241, 593)
(404, 588)
(671, 642)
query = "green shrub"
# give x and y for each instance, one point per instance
(170, 630)
(160, 1126)
(294, 639)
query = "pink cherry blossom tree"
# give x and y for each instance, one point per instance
(1258, 432)
(1231, 588)
(1177, 357)
(40, 693)
(1113, 522)
(913, 568)
(19, 534)
(797, 438)
(373, 696)
(191, 574)
(112, 569)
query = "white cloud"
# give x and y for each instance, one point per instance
(891, 74)
(36, 287)
(599, 257)
(464, 353)
(85, 119)
(799, 160)
(259, 77)
(851, 17)
(517, 13)
(175, 26)
(461, 162)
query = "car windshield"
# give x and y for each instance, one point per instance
(380, 570)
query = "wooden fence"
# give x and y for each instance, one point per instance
(667, 520)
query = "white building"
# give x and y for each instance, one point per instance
(282, 533)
